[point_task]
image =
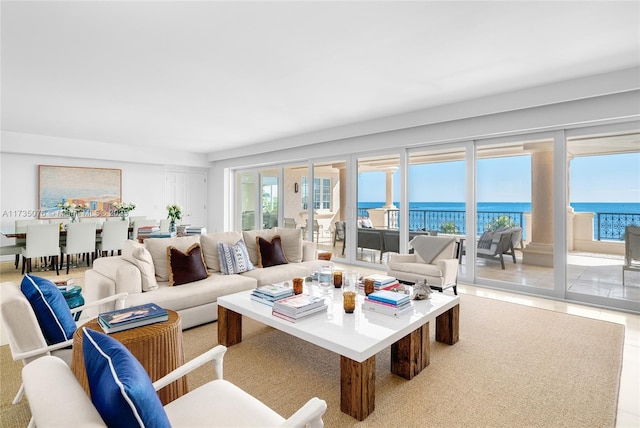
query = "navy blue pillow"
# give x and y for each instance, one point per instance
(50, 307)
(120, 387)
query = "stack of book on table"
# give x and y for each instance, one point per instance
(268, 294)
(146, 231)
(161, 234)
(65, 285)
(135, 316)
(382, 282)
(387, 302)
(194, 230)
(298, 307)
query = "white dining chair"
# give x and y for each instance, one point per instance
(98, 221)
(164, 224)
(16, 249)
(81, 239)
(114, 235)
(43, 240)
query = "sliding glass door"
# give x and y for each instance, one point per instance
(515, 212)
(603, 197)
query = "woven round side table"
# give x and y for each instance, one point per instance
(158, 347)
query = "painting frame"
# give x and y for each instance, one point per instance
(99, 188)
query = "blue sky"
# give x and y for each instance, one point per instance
(612, 178)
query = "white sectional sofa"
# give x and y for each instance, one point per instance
(142, 272)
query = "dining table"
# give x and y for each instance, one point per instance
(21, 233)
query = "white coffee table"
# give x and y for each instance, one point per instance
(356, 337)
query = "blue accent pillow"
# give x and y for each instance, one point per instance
(234, 258)
(50, 307)
(120, 387)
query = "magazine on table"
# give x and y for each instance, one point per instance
(135, 316)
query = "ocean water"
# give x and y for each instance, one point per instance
(594, 207)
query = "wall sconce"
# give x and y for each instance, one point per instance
(296, 188)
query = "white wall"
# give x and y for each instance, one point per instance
(143, 184)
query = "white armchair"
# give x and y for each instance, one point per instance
(434, 260)
(26, 340)
(217, 403)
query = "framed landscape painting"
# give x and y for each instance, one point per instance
(98, 188)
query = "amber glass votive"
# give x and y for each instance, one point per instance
(337, 279)
(297, 285)
(369, 286)
(349, 301)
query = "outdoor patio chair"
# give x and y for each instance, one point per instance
(316, 228)
(494, 245)
(289, 223)
(631, 250)
(339, 234)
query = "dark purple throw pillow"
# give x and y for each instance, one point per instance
(270, 253)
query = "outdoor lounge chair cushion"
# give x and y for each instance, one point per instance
(51, 309)
(121, 389)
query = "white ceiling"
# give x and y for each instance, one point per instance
(208, 76)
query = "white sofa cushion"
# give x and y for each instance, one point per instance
(137, 254)
(193, 294)
(158, 249)
(416, 268)
(232, 407)
(291, 243)
(209, 244)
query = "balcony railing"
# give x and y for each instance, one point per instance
(611, 225)
(608, 226)
(453, 221)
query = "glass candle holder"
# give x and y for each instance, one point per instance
(297, 285)
(369, 286)
(337, 278)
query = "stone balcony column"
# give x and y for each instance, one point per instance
(539, 251)
(389, 187)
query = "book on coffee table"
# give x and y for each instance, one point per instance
(301, 315)
(294, 305)
(134, 316)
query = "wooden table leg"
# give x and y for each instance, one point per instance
(411, 354)
(357, 387)
(448, 326)
(229, 327)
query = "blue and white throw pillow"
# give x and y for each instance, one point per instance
(51, 309)
(234, 258)
(120, 387)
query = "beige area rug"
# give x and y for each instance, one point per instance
(513, 366)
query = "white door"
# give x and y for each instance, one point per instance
(189, 190)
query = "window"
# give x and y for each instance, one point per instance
(321, 193)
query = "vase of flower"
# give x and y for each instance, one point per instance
(174, 212)
(123, 209)
(72, 210)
